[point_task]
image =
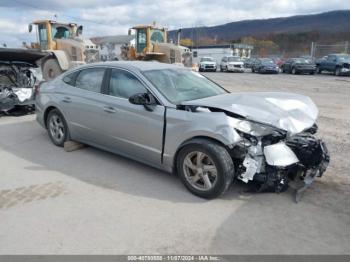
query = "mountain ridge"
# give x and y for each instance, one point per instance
(326, 22)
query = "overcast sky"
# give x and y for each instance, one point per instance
(108, 17)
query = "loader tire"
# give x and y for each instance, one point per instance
(51, 69)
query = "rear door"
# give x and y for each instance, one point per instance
(330, 63)
(82, 104)
(131, 129)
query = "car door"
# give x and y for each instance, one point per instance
(82, 104)
(330, 63)
(131, 129)
(286, 65)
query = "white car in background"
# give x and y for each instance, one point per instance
(232, 64)
(207, 64)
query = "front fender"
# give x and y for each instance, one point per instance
(62, 59)
(184, 125)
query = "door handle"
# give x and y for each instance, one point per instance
(66, 99)
(109, 109)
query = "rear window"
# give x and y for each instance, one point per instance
(90, 79)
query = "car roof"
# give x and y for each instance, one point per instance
(136, 65)
(340, 54)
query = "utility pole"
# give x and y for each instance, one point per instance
(312, 52)
(346, 47)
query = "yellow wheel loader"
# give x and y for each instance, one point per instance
(151, 44)
(64, 46)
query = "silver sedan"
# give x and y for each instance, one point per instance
(177, 120)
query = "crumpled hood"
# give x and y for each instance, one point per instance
(291, 112)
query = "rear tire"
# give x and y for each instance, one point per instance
(205, 168)
(294, 71)
(57, 127)
(51, 69)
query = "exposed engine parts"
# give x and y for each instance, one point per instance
(16, 86)
(301, 158)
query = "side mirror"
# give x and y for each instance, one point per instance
(30, 28)
(80, 30)
(145, 99)
(129, 32)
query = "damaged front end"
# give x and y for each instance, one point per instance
(278, 145)
(278, 159)
(18, 79)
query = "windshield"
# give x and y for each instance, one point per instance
(344, 57)
(267, 61)
(179, 85)
(302, 61)
(207, 59)
(157, 36)
(60, 32)
(234, 59)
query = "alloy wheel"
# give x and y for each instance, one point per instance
(200, 170)
(56, 128)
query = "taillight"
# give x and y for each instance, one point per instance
(37, 87)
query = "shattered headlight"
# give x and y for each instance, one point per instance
(254, 129)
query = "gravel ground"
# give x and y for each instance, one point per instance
(93, 202)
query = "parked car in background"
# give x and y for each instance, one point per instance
(299, 66)
(265, 66)
(278, 61)
(232, 64)
(207, 64)
(248, 63)
(179, 121)
(339, 64)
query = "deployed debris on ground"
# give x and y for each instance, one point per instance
(18, 78)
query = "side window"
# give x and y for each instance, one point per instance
(124, 84)
(90, 79)
(70, 78)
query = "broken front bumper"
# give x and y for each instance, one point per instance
(299, 159)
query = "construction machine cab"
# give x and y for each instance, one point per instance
(63, 45)
(145, 38)
(49, 31)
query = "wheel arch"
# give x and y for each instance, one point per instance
(46, 113)
(49, 109)
(191, 140)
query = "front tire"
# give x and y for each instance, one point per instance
(294, 71)
(57, 127)
(205, 168)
